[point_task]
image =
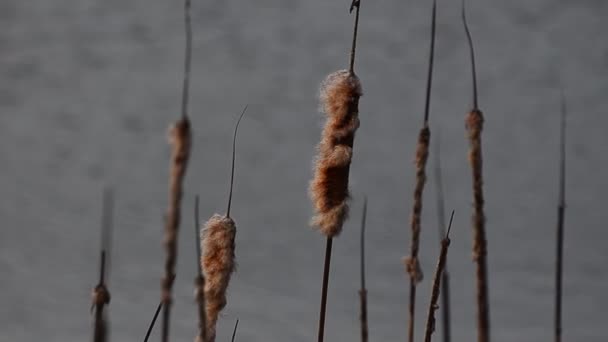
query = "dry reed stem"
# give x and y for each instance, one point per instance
(151, 326)
(474, 126)
(199, 281)
(430, 321)
(445, 281)
(101, 294)
(180, 139)
(218, 264)
(236, 325)
(340, 94)
(363, 291)
(561, 208)
(422, 152)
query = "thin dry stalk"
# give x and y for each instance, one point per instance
(236, 325)
(218, 260)
(474, 125)
(181, 140)
(561, 208)
(199, 281)
(340, 93)
(445, 279)
(430, 320)
(422, 151)
(151, 326)
(101, 294)
(363, 291)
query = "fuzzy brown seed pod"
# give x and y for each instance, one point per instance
(218, 263)
(340, 93)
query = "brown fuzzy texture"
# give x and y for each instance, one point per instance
(430, 321)
(180, 139)
(218, 264)
(474, 125)
(412, 264)
(340, 93)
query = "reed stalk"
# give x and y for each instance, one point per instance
(101, 293)
(218, 261)
(561, 208)
(422, 151)
(445, 278)
(199, 281)
(474, 125)
(181, 139)
(430, 320)
(151, 326)
(236, 325)
(363, 291)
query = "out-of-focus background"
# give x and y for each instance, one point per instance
(88, 89)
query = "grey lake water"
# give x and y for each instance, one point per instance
(88, 89)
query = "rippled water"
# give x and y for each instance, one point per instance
(89, 87)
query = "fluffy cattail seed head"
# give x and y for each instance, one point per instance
(217, 239)
(340, 93)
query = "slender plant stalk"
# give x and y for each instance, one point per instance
(474, 125)
(326, 266)
(101, 294)
(445, 279)
(181, 139)
(236, 325)
(218, 261)
(422, 152)
(199, 281)
(340, 95)
(561, 208)
(151, 326)
(363, 291)
(430, 320)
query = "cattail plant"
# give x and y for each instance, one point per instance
(340, 93)
(474, 126)
(218, 261)
(101, 294)
(445, 278)
(199, 281)
(180, 137)
(363, 291)
(422, 152)
(561, 208)
(430, 320)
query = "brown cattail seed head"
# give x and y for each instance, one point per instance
(218, 264)
(340, 93)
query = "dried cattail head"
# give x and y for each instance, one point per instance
(340, 93)
(218, 263)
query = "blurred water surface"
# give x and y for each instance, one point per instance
(89, 87)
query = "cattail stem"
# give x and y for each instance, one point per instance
(363, 291)
(430, 321)
(101, 294)
(422, 152)
(351, 64)
(151, 326)
(445, 279)
(236, 325)
(561, 208)
(474, 125)
(324, 289)
(181, 140)
(199, 281)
